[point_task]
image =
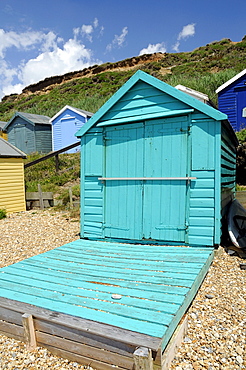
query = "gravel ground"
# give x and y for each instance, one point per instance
(216, 337)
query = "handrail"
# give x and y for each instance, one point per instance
(52, 154)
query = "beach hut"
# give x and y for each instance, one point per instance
(232, 100)
(64, 126)
(157, 165)
(30, 132)
(157, 168)
(12, 190)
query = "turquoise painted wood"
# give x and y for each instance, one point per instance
(157, 284)
(155, 164)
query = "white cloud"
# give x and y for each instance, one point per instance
(73, 56)
(87, 31)
(154, 48)
(22, 41)
(118, 41)
(187, 31)
(52, 56)
(95, 23)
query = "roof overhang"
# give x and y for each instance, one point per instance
(229, 82)
(82, 114)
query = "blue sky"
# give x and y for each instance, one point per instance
(42, 38)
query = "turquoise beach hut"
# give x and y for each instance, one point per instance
(157, 165)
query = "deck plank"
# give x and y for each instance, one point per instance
(92, 288)
(174, 279)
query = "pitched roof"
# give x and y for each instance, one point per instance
(31, 118)
(229, 82)
(8, 150)
(81, 112)
(172, 91)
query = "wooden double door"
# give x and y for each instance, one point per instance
(145, 180)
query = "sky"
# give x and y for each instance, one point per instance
(43, 38)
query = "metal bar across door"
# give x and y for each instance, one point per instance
(146, 178)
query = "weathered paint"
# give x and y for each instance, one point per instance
(12, 190)
(232, 100)
(150, 129)
(29, 136)
(156, 284)
(64, 126)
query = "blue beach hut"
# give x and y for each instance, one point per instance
(156, 165)
(232, 100)
(65, 124)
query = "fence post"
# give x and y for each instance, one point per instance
(40, 195)
(70, 197)
(57, 162)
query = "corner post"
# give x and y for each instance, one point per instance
(143, 359)
(29, 332)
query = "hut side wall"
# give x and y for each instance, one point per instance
(12, 189)
(203, 193)
(64, 128)
(43, 138)
(228, 170)
(91, 188)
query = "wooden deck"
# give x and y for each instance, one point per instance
(95, 302)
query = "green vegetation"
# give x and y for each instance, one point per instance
(3, 213)
(241, 136)
(203, 69)
(68, 177)
(44, 173)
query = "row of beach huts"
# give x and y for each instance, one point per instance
(26, 133)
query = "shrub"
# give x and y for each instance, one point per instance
(3, 213)
(241, 136)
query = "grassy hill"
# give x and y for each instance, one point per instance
(203, 69)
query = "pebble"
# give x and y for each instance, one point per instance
(217, 328)
(216, 335)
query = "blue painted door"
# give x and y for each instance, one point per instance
(20, 138)
(241, 104)
(164, 207)
(68, 129)
(146, 209)
(124, 158)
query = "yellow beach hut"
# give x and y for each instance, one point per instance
(3, 133)
(12, 189)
